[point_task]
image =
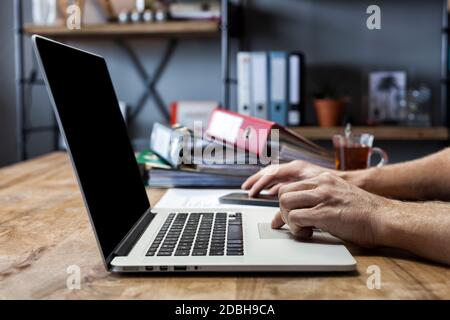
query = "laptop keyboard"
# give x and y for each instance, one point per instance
(199, 234)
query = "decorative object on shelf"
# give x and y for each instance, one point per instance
(108, 10)
(148, 16)
(329, 107)
(196, 10)
(161, 10)
(135, 16)
(143, 11)
(45, 12)
(387, 97)
(419, 106)
(119, 6)
(124, 17)
(142, 5)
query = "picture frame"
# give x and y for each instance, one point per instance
(387, 96)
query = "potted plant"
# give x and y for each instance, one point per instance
(329, 107)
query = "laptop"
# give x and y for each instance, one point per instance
(133, 237)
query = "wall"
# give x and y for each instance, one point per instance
(308, 25)
(340, 49)
(7, 88)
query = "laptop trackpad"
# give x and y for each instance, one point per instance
(266, 232)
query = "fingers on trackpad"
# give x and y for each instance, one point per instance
(267, 233)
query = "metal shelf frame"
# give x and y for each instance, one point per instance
(26, 80)
(444, 108)
(231, 27)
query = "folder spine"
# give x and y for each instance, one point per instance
(244, 83)
(297, 81)
(278, 91)
(260, 85)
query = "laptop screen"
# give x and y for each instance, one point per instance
(96, 135)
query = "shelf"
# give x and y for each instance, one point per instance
(169, 29)
(380, 133)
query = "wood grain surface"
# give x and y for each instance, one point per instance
(44, 229)
(380, 132)
(180, 29)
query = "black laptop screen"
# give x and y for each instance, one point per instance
(97, 137)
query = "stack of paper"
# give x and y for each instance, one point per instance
(163, 178)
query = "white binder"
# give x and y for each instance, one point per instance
(259, 80)
(244, 95)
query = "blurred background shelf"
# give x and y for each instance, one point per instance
(154, 65)
(169, 28)
(381, 133)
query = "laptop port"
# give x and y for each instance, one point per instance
(149, 268)
(163, 268)
(130, 269)
(180, 268)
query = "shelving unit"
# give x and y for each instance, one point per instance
(161, 29)
(440, 133)
(172, 31)
(380, 132)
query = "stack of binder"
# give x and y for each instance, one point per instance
(232, 148)
(164, 166)
(256, 136)
(271, 86)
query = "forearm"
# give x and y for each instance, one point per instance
(421, 228)
(423, 179)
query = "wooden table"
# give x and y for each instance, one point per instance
(44, 229)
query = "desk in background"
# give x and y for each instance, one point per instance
(44, 229)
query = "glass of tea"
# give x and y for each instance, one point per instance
(354, 152)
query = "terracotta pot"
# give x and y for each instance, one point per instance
(329, 112)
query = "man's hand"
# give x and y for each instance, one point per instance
(333, 205)
(275, 176)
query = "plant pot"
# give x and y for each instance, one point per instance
(329, 112)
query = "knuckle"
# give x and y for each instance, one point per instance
(282, 191)
(268, 171)
(301, 165)
(324, 192)
(294, 218)
(283, 198)
(328, 177)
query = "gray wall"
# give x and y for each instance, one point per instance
(7, 87)
(332, 34)
(340, 49)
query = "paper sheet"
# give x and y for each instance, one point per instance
(196, 198)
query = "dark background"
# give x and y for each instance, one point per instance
(340, 51)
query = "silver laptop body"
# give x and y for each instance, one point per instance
(130, 235)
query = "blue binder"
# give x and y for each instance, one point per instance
(278, 87)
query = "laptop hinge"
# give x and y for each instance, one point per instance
(128, 242)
